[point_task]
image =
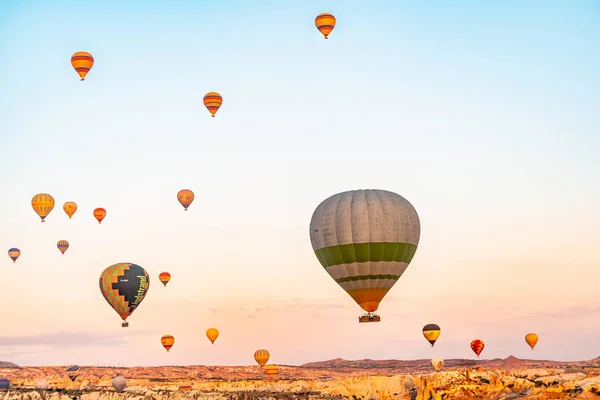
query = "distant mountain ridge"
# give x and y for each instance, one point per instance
(6, 364)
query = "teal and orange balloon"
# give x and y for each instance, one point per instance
(124, 286)
(14, 253)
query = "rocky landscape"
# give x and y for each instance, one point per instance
(509, 378)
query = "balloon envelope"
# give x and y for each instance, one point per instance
(119, 383)
(431, 333)
(213, 101)
(83, 62)
(531, 339)
(42, 204)
(14, 253)
(261, 356)
(62, 245)
(99, 214)
(325, 23)
(212, 334)
(124, 286)
(365, 240)
(4, 383)
(437, 363)
(271, 370)
(70, 207)
(185, 197)
(167, 341)
(164, 277)
(41, 384)
(477, 346)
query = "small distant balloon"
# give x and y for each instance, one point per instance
(167, 341)
(212, 334)
(477, 346)
(261, 356)
(70, 207)
(62, 245)
(73, 372)
(83, 62)
(41, 384)
(185, 197)
(119, 383)
(99, 214)
(14, 253)
(4, 383)
(213, 101)
(325, 23)
(164, 277)
(438, 363)
(531, 339)
(431, 333)
(271, 370)
(42, 204)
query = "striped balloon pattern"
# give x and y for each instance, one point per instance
(164, 277)
(14, 253)
(213, 101)
(261, 356)
(271, 370)
(477, 346)
(83, 62)
(70, 207)
(62, 245)
(431, 333)
(325, 23)
(167, 341)
(365, 240)
(42, 204)
(99, 214)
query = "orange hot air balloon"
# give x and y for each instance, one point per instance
(164, 277)
(271, 370)
(531, 339)
(325, 23)
(70, 207)
(42, 204)
(213, 101)
(477, 346)
(62, 245)
(212, 334)
(99, 213)
(82, 61)
(262, 356)
(167, 341)
(185, 197)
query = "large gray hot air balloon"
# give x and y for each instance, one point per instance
(119, 383)
(365, 239)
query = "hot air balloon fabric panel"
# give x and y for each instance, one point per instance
(62, 245)
(14, 253)
(325, 23)
(42, 204)
(213, 101)
(365, 240)
(262, 356)
(124, 286)
(82, 61)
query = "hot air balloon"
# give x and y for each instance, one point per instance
(82, 61)
(365, 240)
(431, 333)
(4, 383)
(262, 356)
(73, 372)
(185, 388)
(185, 197)
(213, 101)
(167, 341)
(41, 384)
(14, 253)
(62, 245)
(325, 23)
(531, 339)
(99, 214)
(212, 334)
(42, 204)
(124, 286)
(70, 207)
(271, 370)
(164, 277)
(119, 383)
(477, 346)
(437, 363)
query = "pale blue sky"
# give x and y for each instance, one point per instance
(484, 115)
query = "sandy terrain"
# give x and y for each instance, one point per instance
(510, 378)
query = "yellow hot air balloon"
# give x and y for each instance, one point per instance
(185, 197)
(365, 240)
(83, 62)
(531, 339)
(271, 370)
(437, 363)
(70, 207)
(325, 23)
(262, 356)
(62, 245)
(42, 204)
(212, 334)
(213, 101)
(431, 333)
(167, 341)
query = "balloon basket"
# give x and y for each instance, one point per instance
(125, 324)
(369, 318)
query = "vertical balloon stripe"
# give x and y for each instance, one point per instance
(261, 356)
(42, 204)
